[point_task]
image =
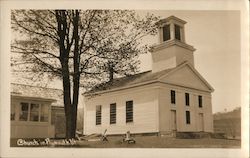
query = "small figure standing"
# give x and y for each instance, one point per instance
(128, 138)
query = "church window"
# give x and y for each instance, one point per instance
(113, 113)
(172, 97)
(200, 100)
(187, 99)
(129, 111)
(188, 117)
(98, 114)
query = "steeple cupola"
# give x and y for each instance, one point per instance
(172, 49)
(171, 28)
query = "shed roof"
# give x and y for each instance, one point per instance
(28, 91)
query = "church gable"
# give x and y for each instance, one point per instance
(185, 75)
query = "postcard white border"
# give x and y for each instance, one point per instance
(7, 5)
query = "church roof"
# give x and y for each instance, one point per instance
(40, 93)
(140, 79)
(128, 81)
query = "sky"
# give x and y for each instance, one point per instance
(216, 37)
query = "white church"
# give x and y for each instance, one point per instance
(172, 97)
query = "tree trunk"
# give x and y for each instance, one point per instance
(70, 105)
(64, 48)
(67, 103)
(76, 75)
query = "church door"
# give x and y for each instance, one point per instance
(201, 122)
(173, 120)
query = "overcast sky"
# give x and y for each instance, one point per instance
(216, 37)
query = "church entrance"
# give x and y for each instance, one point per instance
(173, 120)
(201, 122)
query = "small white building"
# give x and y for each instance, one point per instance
(173, 97)
(31, 111)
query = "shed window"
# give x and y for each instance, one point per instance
(200, 100)
(129, 111)
(187, 99)
(113, 113)
(44, 115)
(13, 113)
(31, 112)
(187, 117)
(98, 114)
(166, 32)
(172, 97)
(177, 30)
(24, 110)
(34, 112)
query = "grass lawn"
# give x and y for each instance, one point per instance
(164, 142)
(155, 142)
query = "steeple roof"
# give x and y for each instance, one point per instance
(170, 18)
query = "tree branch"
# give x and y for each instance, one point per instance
(33, 50)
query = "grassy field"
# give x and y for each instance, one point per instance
(164, 142)
(157, 142)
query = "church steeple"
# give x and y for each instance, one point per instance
(172, 49)
(171, 28)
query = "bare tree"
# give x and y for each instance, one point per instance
(76, 47)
